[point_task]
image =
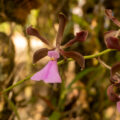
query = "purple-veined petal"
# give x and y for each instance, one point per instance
(110, 16)
(34, 32)
(53, 54)
(114, 74)
(118, 106)
(80, 37)
(112, 43)
(39, 54)
(111, 94)
(76, 56)
(49, 74)
(62, 23)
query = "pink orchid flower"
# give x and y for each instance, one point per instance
(50, 74)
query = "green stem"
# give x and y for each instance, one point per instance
(59, 63)
(98, 54)
(18, 83)
(89, 56)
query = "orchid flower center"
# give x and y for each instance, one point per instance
(52, 58)
(54, 55)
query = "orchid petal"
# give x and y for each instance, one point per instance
(80, 37)
(34, 32)
(53, 75)
(111, 94)
(39, 54)
(62, 23)
(76, 56)
(113, 43)
(110, 33)
(114, 75)
(110, 16)
(49, 74)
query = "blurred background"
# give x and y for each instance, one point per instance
(82, 94)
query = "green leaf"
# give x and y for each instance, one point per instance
(12, 106)
(80, 75)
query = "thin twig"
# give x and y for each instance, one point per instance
(107, 66)
(104, 64)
